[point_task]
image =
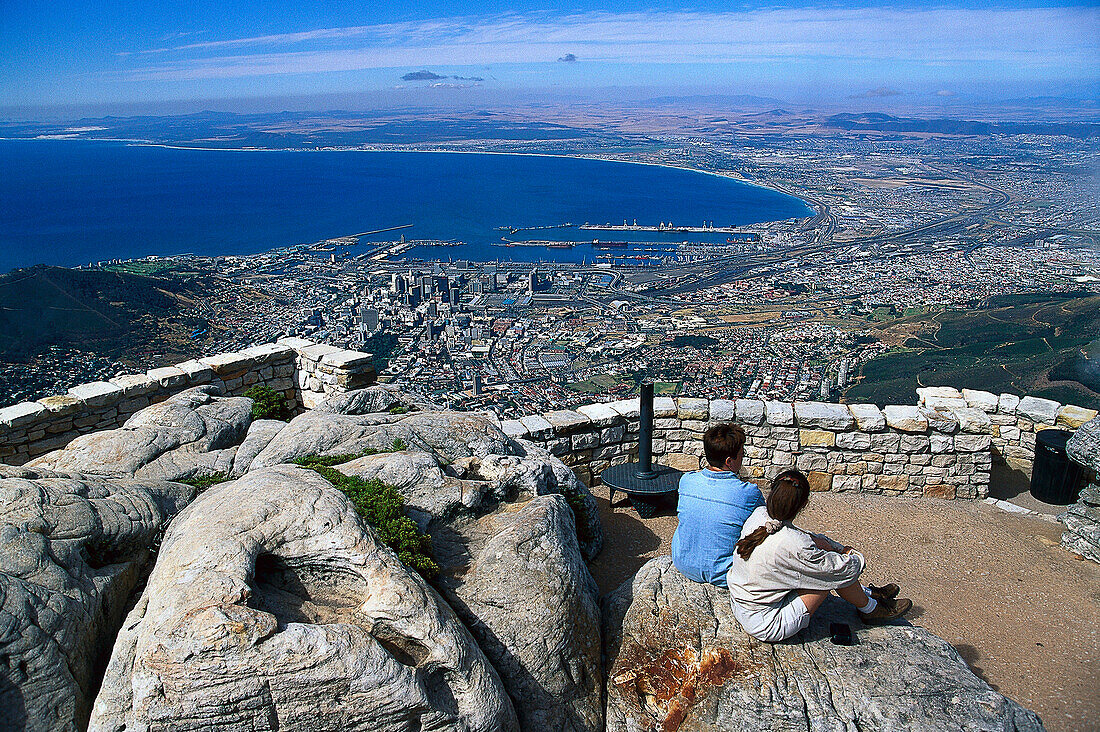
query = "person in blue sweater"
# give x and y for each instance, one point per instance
(713, 506)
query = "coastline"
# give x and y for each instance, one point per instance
(807, 209)
(766, 185)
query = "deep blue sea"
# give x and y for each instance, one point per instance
(70, 202)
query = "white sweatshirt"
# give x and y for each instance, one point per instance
(787, 560)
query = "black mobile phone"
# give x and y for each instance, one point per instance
(842, 634)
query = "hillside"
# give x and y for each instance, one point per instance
(1044, 345)
(109, 313)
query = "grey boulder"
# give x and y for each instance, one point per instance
(446, 435)
(1084, 446)
(196, 421)
(677, 659)
(373, 399)
(437, 488)
(72, 549)
(260, 434)
(272, 606)
(522, 587)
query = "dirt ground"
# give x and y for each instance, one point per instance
(1023, 612)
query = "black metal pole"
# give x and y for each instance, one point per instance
(645, 433)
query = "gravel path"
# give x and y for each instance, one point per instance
(1023, 612)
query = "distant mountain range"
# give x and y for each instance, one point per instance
(878, 122)
(720, 100)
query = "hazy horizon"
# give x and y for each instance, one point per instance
(173, 58)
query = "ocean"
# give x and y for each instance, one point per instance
(71, 202)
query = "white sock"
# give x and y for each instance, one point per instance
(872, 603)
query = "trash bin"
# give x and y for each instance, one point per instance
(1054, 477)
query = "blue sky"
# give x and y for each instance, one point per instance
(127, 53)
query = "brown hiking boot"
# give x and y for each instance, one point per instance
(886, 592)
(886, 611)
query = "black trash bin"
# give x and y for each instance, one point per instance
(1054, 477)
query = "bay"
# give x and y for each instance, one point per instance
(68, 202)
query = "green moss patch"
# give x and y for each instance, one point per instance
(267, 404)
(380, 505)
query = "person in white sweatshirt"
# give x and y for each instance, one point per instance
(781, 574)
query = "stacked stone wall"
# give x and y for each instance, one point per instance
(322, 370)
(1015, 420)
(303, 371)
(933, 449)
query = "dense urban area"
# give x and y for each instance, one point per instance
(907, 227)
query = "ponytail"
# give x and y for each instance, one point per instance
(789, 494)
(750, 542)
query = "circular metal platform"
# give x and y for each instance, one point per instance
(644, 492)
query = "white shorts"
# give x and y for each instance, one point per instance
(776, 622)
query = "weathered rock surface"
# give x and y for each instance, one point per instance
(1082, 520)
(449, 435)
(454, 462)
(193, 422)
(373, 399)
(184, 464)
(677, 659)
(72, 549)
(527, 596)
(272, 607)
(260, 434)
(512, 567)
(1084, 447)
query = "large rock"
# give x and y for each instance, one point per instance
(521, 585)
(373, 399)
(512, 562)
(72, 549)
(677, 659)
(194, 421)
(272, 607)
(533, 471)
(1082, 520)
(260, 434)
(184, 464)
(449, 435)
(1084, 447)
(439, 489)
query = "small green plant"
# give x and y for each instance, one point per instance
(580, 515)
(203, 482)
(327, 461)
(399, 444)
(267, 404)
(399, 409)
(379, 504)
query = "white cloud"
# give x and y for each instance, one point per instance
(1035, 37)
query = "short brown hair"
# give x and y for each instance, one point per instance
(723, 441)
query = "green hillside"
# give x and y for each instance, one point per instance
(1044, 345)
(105, 312)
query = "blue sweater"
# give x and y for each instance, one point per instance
(712, 508)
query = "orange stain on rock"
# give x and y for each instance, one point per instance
(674, 681)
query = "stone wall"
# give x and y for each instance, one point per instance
(1015, 420)
(933, 449)
(323, 369)
(305, 372)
